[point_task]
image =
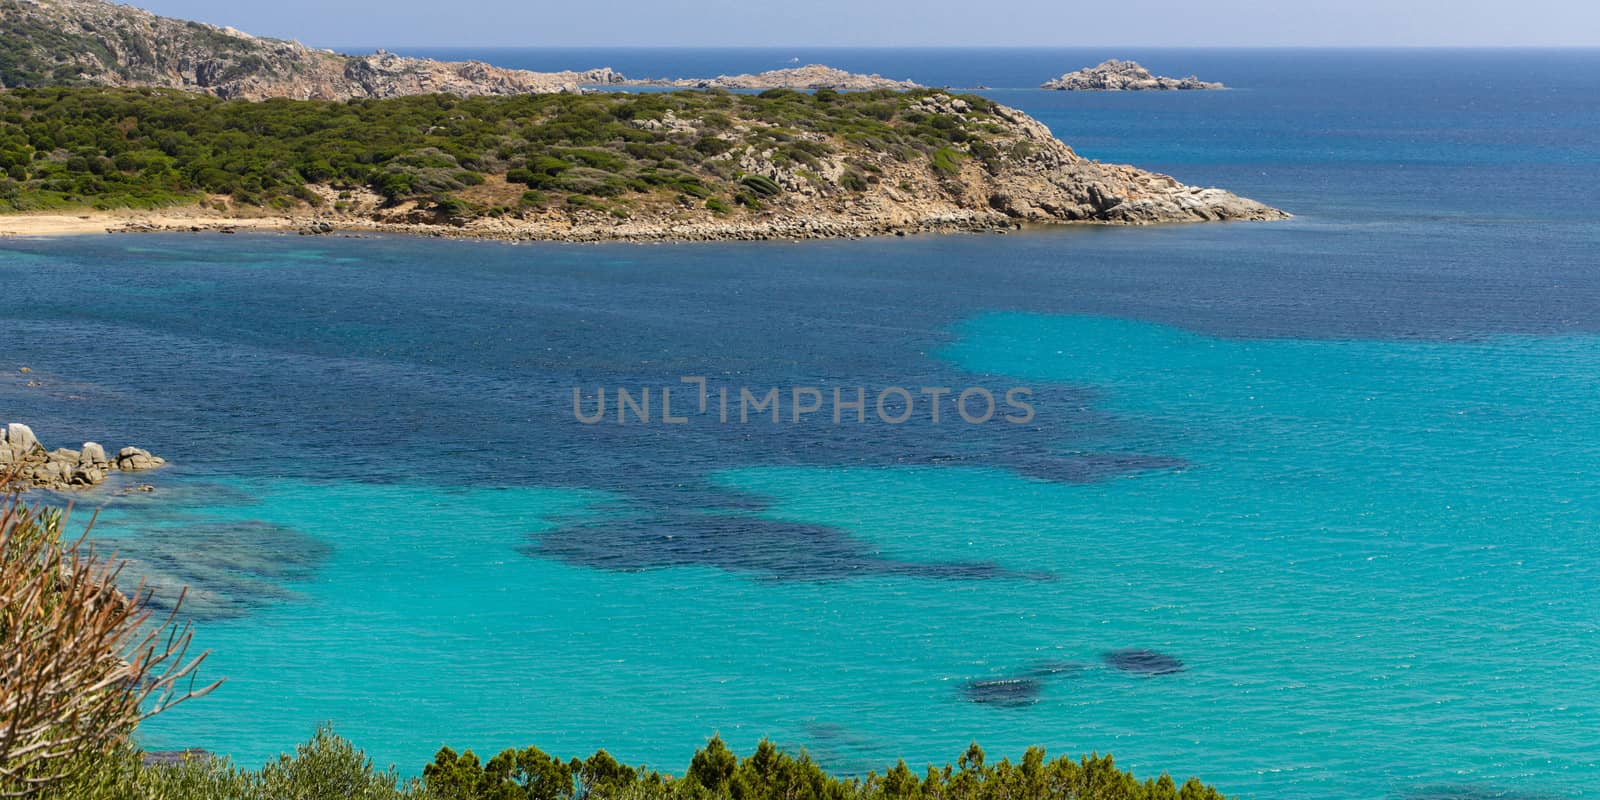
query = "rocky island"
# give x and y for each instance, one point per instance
(1123, 76)
(28, 464)
(808, 78)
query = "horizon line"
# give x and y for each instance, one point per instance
(1190, 48)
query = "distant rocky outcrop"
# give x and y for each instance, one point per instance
(25, 460)
(91, 42)
(97, 43)
(810, 78)
(1123, 76)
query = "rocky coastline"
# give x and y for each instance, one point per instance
(27, 463)
(1188, 205)
(1116, 75)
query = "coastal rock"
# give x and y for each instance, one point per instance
(807, 78)
(1123, 76)
(93, 455)
(64, 456)
(384, 74)
(133, 459)
(20, 441)
(29, 465)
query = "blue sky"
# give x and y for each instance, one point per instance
(1064, 23)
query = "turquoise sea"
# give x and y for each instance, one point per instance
(1344, 468)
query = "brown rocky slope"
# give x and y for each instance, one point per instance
(91, 42)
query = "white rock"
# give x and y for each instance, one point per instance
(93, 455)
(21, 439)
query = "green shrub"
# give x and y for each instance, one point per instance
(591, 181)
(946, 162)
(455, 208)
(325, 768)
(761, 185)
(771, 774)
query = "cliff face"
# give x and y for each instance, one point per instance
(90, 42)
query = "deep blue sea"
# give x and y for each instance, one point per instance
(1345, 468)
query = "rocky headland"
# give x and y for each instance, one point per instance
(686, 166)
(807, 78)
(27, 463)
(96, 43)
(1123, 76)
(92, 42)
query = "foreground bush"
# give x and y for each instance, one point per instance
(771, 774)
(80, 663)
(331, 768)
(327, 766)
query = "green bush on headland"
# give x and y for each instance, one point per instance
(331, 768)
(145, 148)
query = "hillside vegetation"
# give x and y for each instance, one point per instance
(829, 161)
(140, 148)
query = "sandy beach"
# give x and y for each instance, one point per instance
(30, 225)
(552, 227)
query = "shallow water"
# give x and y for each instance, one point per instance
(1341, 468)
